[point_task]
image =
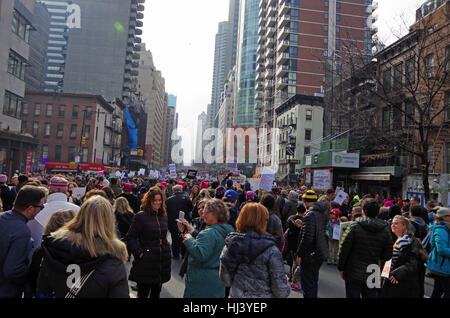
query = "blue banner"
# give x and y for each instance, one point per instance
(132, 131)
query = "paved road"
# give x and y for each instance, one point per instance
(330, 283)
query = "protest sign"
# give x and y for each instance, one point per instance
(78, 193)
(141, 172)
(336, 232)
(340, 197)
(322, 179)
(254, 183)
(267, 177)
(191, 174)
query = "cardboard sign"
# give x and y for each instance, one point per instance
(78, 193)
(254, 183)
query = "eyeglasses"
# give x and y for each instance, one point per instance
(41, 207)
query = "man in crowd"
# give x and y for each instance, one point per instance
(308, 198)
(178, 202)
(230, 198)
(15, 240)
(418, 225)
(368, 241)
(6, 194)
(56, 200)
(415, 201)
(274, 226)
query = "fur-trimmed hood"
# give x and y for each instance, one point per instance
(64, 247)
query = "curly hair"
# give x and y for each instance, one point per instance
(219, 209)
(149, 197)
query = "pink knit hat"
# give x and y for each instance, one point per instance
(58, 184)
(204, 185)
(388, 203)
(164, 184)
(127, 187)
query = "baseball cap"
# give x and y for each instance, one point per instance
(231, 194)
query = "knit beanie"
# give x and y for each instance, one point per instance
(58, 184)
(310, 196)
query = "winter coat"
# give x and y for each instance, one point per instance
(178, 202)
(367, 241)
(418, 227)
(199, 225)
(409, 271)
(439, 258)
(123, 221)
(330, 227)
(148, 235)
(290, 208)
(109, 279)
(294, 232)
(275, 228)
(117, 189)
(313, 246)
(15, 247)
(7, 196)
(133, 200)
(252, 266)
(202, 277)
(234, 213)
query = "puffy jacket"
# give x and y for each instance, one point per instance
(409, 271)
(290, 208)
(109, 279)
(15, 247)
(252, 266)
(202, 276)
(178, 202)
(439, 258)
(367, 241)
(313, 246)
(148, 236)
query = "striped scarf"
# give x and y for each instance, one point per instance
(399, 246)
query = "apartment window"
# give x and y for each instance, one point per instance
(325, 53)
(325, 15)
(20, 26)
(57, 153)
(45, 152)
(307, 134)
(338, 5)
(338, 29)
(306, 150)
(326, 3)
(72, 151)
(24, 127)
(24, 108)
(47, 129)
(387, 80)
(325, 27)
(96, 133)
(398, 78)
(338, 17)
(59, 130)
(62, 110)
(410, 71)
(308, 114)
(89, 112)
(409, 114)
(386, 118)
(84, 155)
(49, 112)
(429, 65)
(73, 131)
(12, 104)
(75, 109)
(16, 65)
(87, 132)
(35, 128)
(325, 40)
(37, 109)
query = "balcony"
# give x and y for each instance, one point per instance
(259, 77)
(283, 45)
(138, 32)
(268, 74)
(272, 3)
(268, 84)
(268, 95)
(282, 83)
(260, 58)
(285, 8)
(137, 40)
(140, 16)
(269, 63)
(270, 42)
(261, 30)
(267, 107)
(137, 48)
(282, 58)
(282, 69)
(140, 8)
(261, 21)
(135, 65)
(272, 12)
(262, 12)
(270, 32)
(261, 40)
(283, 33)
(270, 52)
(259, 67)
(136, 56)
(139, 24)
(260, 49)
(259, 95)
(271, 22)
(284, 20)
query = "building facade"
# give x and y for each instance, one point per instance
(201, 126)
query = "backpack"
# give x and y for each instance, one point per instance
(285, 247)
(421, 231)
(426, 242)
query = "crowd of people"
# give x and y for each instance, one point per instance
(233, 241)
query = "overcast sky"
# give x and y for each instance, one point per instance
(181, 34)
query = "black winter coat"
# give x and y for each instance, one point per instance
(109, 280)
(367, 241)
(8, 196)
(148, 235)
(409, 271)
(294, 232)
(133, 200)
(123, 223)
(178, 202)
(313, 245)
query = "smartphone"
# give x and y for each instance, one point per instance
(180, 216)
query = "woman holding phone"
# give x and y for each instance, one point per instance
(147, 241)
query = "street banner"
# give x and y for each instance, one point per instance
(78, 193)
(29, 159)
(267, 177)
(340, 197)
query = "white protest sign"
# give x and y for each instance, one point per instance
(131, 174)
(340, 197)
(254, 183)
(336, 232)
(141, 172)
(267, 177)
(78, 193)
(386, 269)
(322, 179)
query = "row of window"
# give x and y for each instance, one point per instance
(59, 130)
(61, 110)
(20, 26)
(71, 153)
(16, 65)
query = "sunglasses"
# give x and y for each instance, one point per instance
(41, 207)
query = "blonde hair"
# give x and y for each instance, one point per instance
(122, 206)
(252, 218)
(405, 222)
(94, 229)
(57, 220)
(204, 194)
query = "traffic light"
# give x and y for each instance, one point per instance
(83, 141)
(140, 152)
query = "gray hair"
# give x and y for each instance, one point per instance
(293, 195)
(177, 188)
(219, 209)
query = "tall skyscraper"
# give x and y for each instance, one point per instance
(171, 124)
(233, 20)
(246, 64)
(37, 69)
(298, 41)
(201, 126)
(151, 86)
(57, 43)
(100, 52)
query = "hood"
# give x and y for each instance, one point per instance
(371, 224)
(439, 226)
(245, 247)
(418, 220)
(319, 207)
(63, 249)
(223, 229)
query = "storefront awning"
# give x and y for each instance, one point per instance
(372, 176)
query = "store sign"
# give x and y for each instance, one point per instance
(29, 160)
(345, 160)
(308, 160)
(322, 179)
